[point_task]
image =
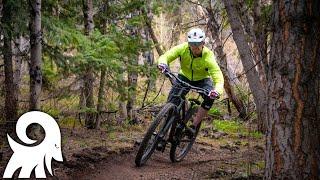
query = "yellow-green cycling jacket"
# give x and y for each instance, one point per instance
(195, 69)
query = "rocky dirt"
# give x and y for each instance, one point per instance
(203, 162)
(210, 158)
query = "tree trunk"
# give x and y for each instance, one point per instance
(100, 97)
(132, 72)
(11, 111)
(19, 49)
(123, 115)
(260, 42)
(148, 20)
(36, 50)
(259, 48)
(101, 93)
(177, 21)
(255, 27)
(35, 72)
(293, 136)
(82, 99)
(88, 95)
(1, 9)
(222, 60)
(88, 16)
(88, 76)
(247, 60)
(132, 89)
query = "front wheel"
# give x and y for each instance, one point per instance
(157, 131)
(182, 143)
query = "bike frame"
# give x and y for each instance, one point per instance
(184, 86)
(180, 111)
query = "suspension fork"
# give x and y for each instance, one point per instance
(164, 130)
(178, 125)
(168, 123)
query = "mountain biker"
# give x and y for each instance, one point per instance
(199, 68)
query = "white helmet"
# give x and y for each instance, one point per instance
(196, 35)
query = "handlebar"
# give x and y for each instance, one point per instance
(171, 76)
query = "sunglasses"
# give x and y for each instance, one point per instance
(195, 44)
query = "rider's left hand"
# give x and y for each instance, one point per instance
(213, 94)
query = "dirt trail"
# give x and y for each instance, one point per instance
(209, 158)
(202, 162)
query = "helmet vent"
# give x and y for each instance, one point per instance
(196, 35)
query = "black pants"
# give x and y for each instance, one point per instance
(204, 83)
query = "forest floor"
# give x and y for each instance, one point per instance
(110, 154)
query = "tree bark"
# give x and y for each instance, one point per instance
(11, 110)
(88, 16)
(259, 48)
(82, 99)
(88, 76)
(100, 97)
(247, 60)
(293, 136)
(123, 115)
(1, 9)
(36, 52)
(36, 49)
(255, 29)
(132, 91)
(88, 95)
(101, 93)
(122, 100)
(19, 49)
(222, 60)
(35, 72)
(260, 42)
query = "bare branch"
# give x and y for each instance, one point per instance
(226, 39)
(192, 22)
(200, 24)
(143, 107)
(196, 3)
(247, 70)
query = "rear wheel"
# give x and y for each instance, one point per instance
(182, 143)
(156, 132)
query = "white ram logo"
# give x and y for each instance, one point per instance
(32, 157)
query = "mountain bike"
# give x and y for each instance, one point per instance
(169, 126)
